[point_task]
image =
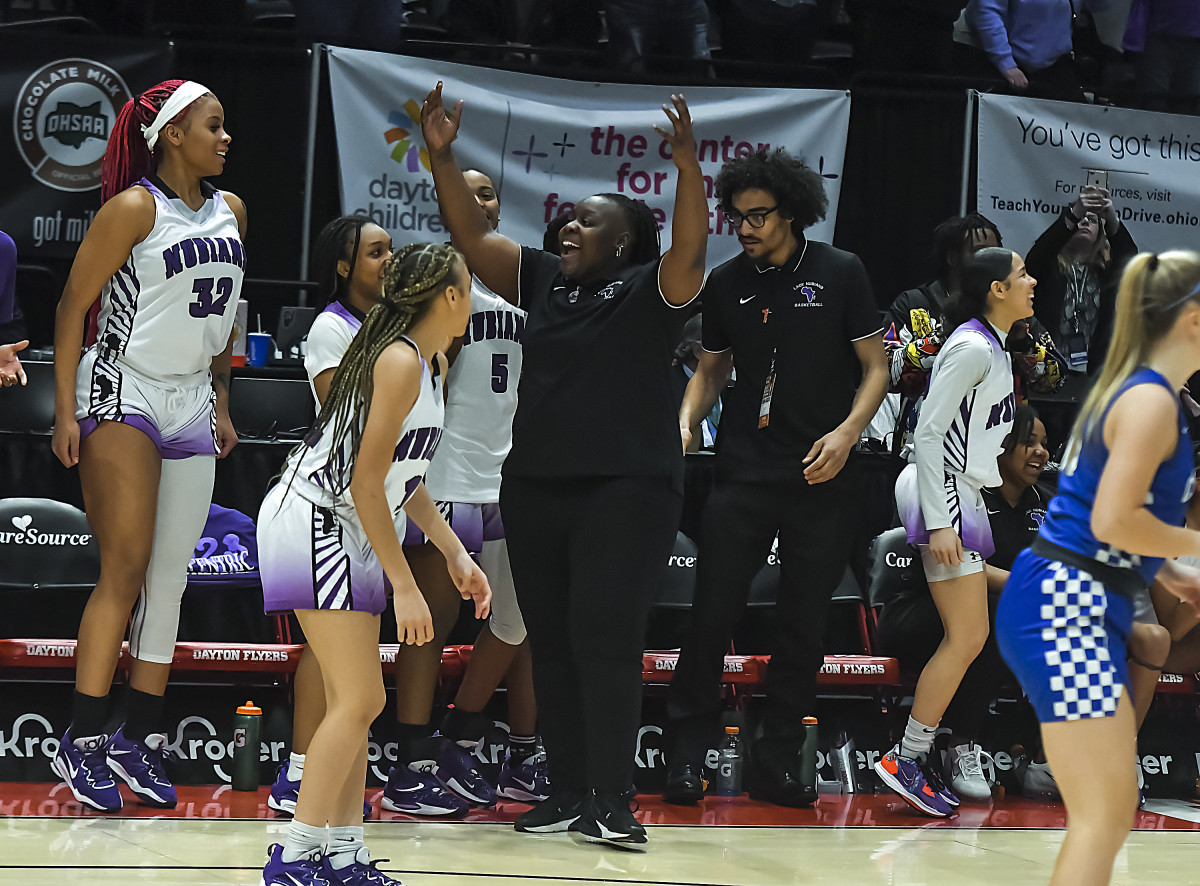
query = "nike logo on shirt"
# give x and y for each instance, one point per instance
(742, 301)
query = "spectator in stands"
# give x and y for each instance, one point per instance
(776, 31)
(1166, 36)
(964, 420)
(683, 367)
(797, 318)
(370, 24)
(910, 627)
(648, 29)
(590, 518)
(1111, 530)
(1078, 262)
(11, 372)
(329, 547)
(1027, 41)
(143, 413)
(12, 322)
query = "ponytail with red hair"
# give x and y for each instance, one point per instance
(127, 158)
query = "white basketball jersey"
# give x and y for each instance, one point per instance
(171, 307)
(481, 400)
(969, 416)
(323, 476)
(328, 340)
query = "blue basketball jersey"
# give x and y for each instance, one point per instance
(1069, 518)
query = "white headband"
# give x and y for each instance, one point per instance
(187, 93)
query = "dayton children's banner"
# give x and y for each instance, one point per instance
(546, 142)
(1034, 155)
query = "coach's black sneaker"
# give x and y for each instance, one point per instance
(773, 776)
(607, 818)
(551, 816)
(684, 786)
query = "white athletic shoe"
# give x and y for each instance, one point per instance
(964, 772)
(1037, 781)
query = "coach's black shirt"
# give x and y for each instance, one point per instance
(595, 394)
(819, 304)
(1014, 529)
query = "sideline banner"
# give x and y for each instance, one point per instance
(1034, 155)
(547, 142)
(58, 102)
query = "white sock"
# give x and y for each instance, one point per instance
(345, 844)
(918, 739)
(295, 766)
(302, 840)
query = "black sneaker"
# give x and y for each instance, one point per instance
(607, 818)
(551, 816)
(684, 785)
(774, 778)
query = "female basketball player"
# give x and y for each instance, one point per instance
(967, 414)
(464, 479)
(349, 259)
(327, 540)
(592, 487)
(1066, 610)
(144, 412)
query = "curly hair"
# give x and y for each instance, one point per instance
(954, 233)
(643, 227)
(797, 188)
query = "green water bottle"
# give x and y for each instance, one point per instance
(246, 725)
(808, 756)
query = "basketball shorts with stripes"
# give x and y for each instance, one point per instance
(313, 558)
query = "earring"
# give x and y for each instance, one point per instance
(620, 249)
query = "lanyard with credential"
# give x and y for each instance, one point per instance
(764, 407)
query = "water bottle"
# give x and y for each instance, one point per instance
(808, 755)
(729, 765)
(246, 725)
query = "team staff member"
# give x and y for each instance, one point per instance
(590, 517)
(798, 319)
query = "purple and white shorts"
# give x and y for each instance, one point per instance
(968, 517)
(315, 558)
(180, 419)
(472, 523)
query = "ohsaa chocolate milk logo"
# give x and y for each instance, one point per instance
(63, 116)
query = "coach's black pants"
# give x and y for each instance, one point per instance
(587, 556)
(815, 526)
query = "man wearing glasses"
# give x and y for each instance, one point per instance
(798, 319)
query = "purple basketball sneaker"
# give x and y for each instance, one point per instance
(140, 765)
(82, 764)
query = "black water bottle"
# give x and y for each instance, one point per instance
(808, 756)
(246, 726)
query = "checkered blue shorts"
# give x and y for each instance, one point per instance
(1063, 634)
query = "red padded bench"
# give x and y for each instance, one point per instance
(282, 658)
(740, 670)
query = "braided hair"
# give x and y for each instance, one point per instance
(643, 227)
(338, 241)
(416, 275)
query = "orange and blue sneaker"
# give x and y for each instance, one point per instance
(933, 777)
(904, 776)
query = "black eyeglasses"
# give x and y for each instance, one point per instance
(756, 219)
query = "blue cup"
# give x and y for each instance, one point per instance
(258, 347)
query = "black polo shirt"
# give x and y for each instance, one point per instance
(595, 396)
(1014, 529)
(819, 304)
